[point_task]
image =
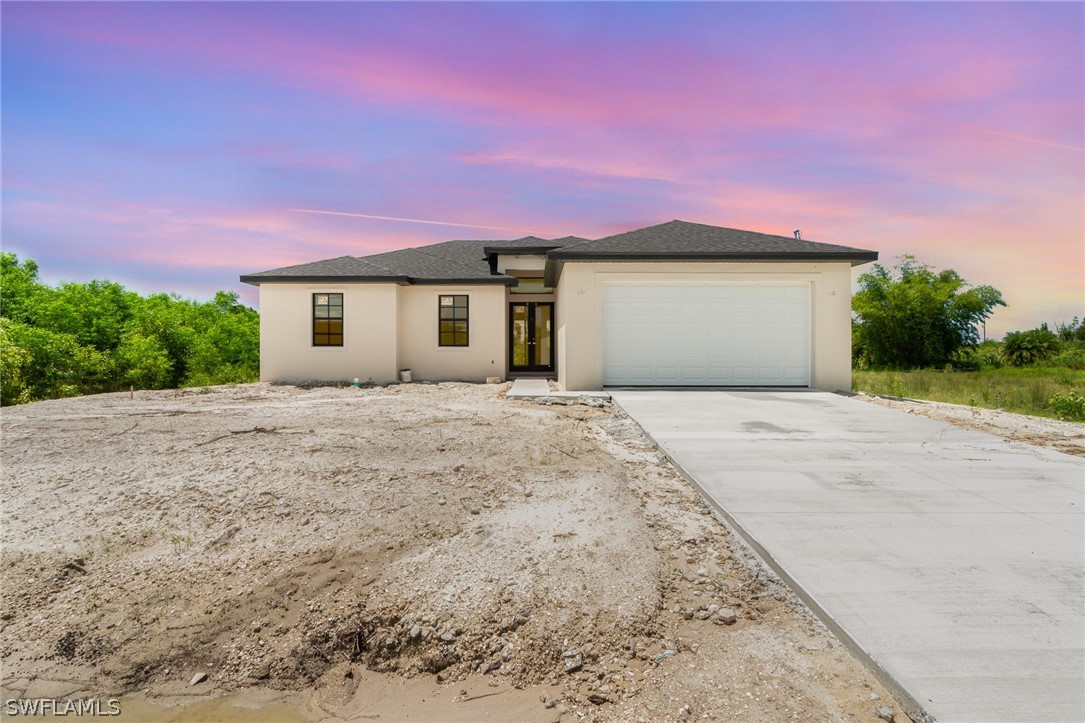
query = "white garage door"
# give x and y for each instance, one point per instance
(706, 334)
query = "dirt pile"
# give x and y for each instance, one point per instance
(311, 539)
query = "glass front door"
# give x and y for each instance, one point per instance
(531, 336)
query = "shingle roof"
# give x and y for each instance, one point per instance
(337, 268)
(467, 262)
(685, 240)
(525, 245)
(457, 261)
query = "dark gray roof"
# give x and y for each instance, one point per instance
(529, 245)
(685, 240)
(460, 261)
(527, 242)
(339, 268)
(444, 261)
(471, 262)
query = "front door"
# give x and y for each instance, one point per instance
(531, 336)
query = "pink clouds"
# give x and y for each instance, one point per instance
(182, 133)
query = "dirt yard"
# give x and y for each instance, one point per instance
(415, 552)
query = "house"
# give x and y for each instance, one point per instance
(678, 303)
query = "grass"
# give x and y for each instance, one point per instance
(1025, 390)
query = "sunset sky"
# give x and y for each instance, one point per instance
(170, 146)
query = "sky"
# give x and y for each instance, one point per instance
(173, 146)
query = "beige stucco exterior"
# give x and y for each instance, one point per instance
(579, 311)
(525, 263)
(368, 353)
(386, 327)
(417, 341)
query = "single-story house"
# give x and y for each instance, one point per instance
(678, 303)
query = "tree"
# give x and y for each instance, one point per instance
(911, 316)
(80, 338)
(1072, 331)
(15, 364)
(1020, 348)
(144, 362)
(228, 347)
(94, 312)
(21, 293)
(50, 364)
(174, 325)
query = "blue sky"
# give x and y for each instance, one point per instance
(168, 145)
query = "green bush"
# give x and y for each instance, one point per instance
(1071, 357)
(1069, 406)
(80, 338)
(1029, 347)
(144, 362)
(986, 355)
(1026, 390)
(14, 365)
(52, 364)
(1073, 331)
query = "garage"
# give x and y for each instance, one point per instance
(706, 334)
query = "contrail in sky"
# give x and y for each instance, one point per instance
(415, 220)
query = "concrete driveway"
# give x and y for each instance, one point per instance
(954, 559)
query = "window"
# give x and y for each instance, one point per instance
(531, 285)
(452, 320)
(327, 320)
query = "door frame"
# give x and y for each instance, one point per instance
(531, 306)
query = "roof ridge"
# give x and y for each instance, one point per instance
(441, 257)
(632, 230)
(584, 241)
(382, 267)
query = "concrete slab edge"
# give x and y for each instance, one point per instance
(907, 701)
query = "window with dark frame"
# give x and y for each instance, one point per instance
(531, 285)
(327, 320)
(452, 318)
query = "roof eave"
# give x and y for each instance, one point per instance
(552, 272)
(858, 257)
(518, 250)
(257, 279)
(500, 280)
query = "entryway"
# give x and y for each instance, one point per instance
(531, 336)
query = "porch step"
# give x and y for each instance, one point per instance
(528, 389)
(534, 388)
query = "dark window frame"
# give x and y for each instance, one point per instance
(448, 333)
(327, 338)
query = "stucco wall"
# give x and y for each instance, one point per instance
(580, 311)
(418, 349)
(287, 353)
(520, 262)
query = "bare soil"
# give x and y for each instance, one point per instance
(1066, 437)
(414, 552)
